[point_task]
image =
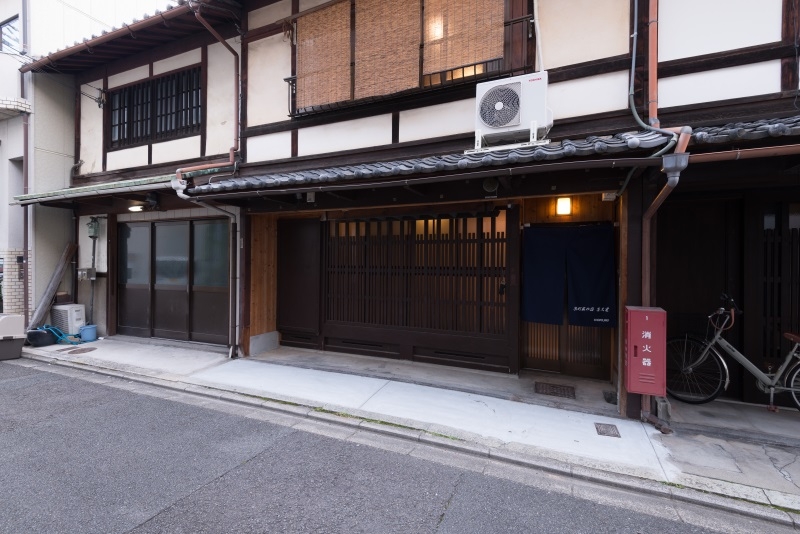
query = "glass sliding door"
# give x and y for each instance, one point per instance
(210, 277)
(133, 282)
(174, 280)
(171, 280)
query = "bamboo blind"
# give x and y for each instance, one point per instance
(462, 32)
(323, 56)
(387, 47)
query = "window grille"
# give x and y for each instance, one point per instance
(162, 108)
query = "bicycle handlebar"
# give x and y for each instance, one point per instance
(730, 304)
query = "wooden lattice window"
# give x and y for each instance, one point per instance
(445, 273)
(162, 108)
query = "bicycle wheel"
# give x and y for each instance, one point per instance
(793, 381)
(688, 379)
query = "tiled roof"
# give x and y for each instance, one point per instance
(591, 146)
(749, 131)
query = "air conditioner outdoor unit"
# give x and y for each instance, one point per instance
(69, 318)
(512, 111)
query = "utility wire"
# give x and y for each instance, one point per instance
(87, 15)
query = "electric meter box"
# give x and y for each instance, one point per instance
(646, 350)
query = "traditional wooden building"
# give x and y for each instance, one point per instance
(306, 173)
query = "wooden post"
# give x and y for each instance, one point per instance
(47, 298)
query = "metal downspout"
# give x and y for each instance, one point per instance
(26, 290)
(179, 184)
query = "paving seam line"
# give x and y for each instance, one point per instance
(594, 475)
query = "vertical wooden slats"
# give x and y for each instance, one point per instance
(430, 274)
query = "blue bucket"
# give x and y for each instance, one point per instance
(88, 332)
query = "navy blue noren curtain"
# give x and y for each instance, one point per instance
(578, 258)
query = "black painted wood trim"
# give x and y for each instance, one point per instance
(106, 123)
(204, 96)
(727, 58)
(395, 127)
(790, 33)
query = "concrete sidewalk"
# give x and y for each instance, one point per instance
(750, 456)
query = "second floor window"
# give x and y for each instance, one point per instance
(158, 109)
(9, 36)
(361, 49)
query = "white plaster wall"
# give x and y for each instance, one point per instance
(437, 121)
(9, 82)
(91, 151)
(222, 95)
(347, 135)
(269, 147)
(689, 28)
(574, 31)
(189, 213)
(129, 76)
(269, 62)
(85, 246)
(308, 4)
(53, 132)
(10, 183)
(12, 144)
(722, 84)
(269, 14)
(177, 150)
(125, 159)
(13, 230)
(192, 57)
(586, 96)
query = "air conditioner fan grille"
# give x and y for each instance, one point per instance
(500, 105)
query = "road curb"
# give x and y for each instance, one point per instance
(760, 511)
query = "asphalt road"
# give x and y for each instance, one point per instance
(80, 452)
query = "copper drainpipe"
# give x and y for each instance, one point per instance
(684, 136)
(179, 184)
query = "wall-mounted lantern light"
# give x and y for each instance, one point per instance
(563, 206)
(93, 227)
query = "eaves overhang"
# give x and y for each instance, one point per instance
(152, 183)
(624, 147)
(158, 29)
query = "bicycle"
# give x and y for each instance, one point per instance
(697, 372)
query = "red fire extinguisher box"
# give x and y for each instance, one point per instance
(646, 350)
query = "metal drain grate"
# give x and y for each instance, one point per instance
(82, 350)
(556, 390)
(607, 430)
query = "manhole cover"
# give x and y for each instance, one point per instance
(607, 430)
(65, 349)
(556, 390)
(82, 350)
